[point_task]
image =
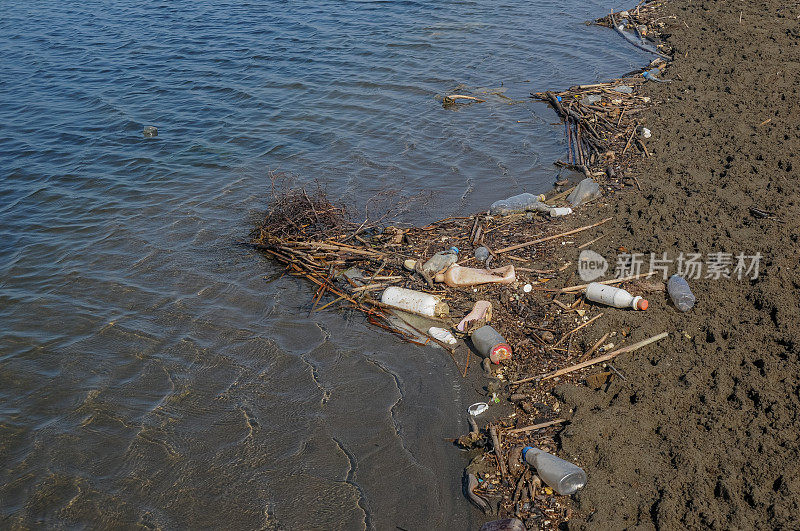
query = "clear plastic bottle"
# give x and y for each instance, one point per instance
(616, 297)
(586, 190)
(491, 344)
(564, 477)
(415, 301)
(680, 293)
(518, 203)
(441, 261)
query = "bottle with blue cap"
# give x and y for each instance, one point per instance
(564, 477)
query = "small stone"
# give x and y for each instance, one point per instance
(149, 131)
(548, 336)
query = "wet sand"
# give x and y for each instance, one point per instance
(700, 433)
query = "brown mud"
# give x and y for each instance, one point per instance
(703, 432)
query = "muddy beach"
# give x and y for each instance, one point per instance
(695, 429)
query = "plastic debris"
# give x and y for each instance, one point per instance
(564, 477)
(414, 301)
(478, 408)
(442, 335)
(491, 344)
(616, 297)
(586, 190)
(481, 312)
(459, 276)
(518, 203)
(561, 211)
(680, 293)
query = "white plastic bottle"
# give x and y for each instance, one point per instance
(616, 297)
(415, 301)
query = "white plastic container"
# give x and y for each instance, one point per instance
(415, 301)
(616, 297)
(442, 335)
(560, 211)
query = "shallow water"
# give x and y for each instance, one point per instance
(149, 374)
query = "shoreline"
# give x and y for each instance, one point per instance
(691, 431)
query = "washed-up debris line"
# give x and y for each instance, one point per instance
(541, 314)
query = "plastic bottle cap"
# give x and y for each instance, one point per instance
(525, 451)
(500, 352)
(642, 304)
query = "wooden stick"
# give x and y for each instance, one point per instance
(595, 347)
(587, 323)
(334, 301)
(548, 238)
(594, 361)
(579, 287)
(395, 308)
(462, 97)
(498, 451)
(587, 244)
(536, 426)
(628, 143)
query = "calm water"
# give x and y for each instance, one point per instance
(149, 375)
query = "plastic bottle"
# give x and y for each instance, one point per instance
(564, 477)
(442, 335)
(518, 203)
(561, 211)
(586, 190)
(459, 276)
(680, 293)
(491, 344)
(616, 297)
(415, 301)
(441, 261)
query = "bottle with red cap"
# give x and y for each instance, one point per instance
(491, 344)
(616, 297)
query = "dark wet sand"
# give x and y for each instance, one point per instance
(703, 434)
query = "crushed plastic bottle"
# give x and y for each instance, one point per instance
(415, 301)
(491, 344)
(586, 190)
(441, 261)
(518, 203)
(616, 297)
(564, 477)
(481, 312)
(591, 99)
(680, 293)
(458, 276)
(623, 89)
